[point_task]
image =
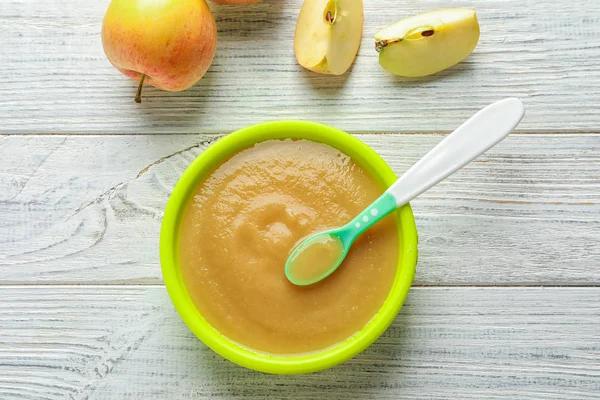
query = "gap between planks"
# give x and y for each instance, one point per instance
(442, 285)
(222, 133)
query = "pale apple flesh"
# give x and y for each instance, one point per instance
(328, 35)
(427, 43)
(169, 43)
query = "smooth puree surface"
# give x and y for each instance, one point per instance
(240, 226)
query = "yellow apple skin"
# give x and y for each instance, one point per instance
(235, 2)
(427, 43)
(172, 42)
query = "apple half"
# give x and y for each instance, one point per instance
(427, 43)
(328, 35)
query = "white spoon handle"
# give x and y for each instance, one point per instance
(477, 135)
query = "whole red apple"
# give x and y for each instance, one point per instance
(168, 44)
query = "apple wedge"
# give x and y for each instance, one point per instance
(328, 35)
(427, 43)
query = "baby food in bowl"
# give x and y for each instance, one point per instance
(240, 226)
(235, 225)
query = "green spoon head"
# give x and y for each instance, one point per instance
(316, 257)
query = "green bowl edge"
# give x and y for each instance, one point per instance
(224, 148)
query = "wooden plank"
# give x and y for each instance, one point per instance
(55, 77)
(128, 342)
(82, 209)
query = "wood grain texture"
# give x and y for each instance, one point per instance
(91, 342)
(87, 209)
(55, 77)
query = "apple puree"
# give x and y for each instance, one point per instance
(243, 221)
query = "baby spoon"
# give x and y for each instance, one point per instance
(319, 255)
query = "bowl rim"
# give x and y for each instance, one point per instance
(203, 165)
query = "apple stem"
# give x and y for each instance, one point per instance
(381, 44)
(138, 95)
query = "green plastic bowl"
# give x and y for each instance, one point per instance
(204, 165)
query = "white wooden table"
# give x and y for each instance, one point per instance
(506, 302)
